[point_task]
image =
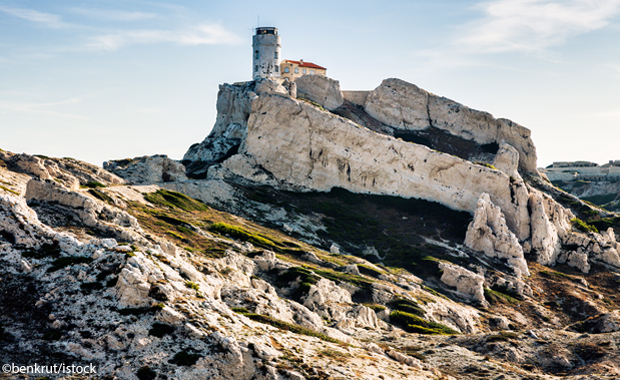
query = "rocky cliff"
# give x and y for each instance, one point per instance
(317, 235)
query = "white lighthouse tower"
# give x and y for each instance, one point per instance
(266, 53)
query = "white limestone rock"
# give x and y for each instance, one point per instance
(313, 153)
(576, 259)
(405, 106)
(489, 233)
(465, 281)
(320, 89)
(547, 228)
(325, 292)
(147, 170)
(90, 211)
(507, 160)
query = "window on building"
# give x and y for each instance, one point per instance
(296, 70)
(286, 70)
(275, 55)
(256, 54)
(256, 68)
(303, 71)
(311, 71)
(277, 69)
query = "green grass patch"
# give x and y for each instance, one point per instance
(369, 271)
(601, 199)
(192, 285)
(408, 306)
(583, 226)
(257, 239)
(172, 199)
(415, 324)
(604, 223)
(288, 326)
(485, 164)
(101, 196)
(376, 307)
(353, 279)
(502, 336)
(8, 190)
(306, 278)
(93, 185)
(494, 297)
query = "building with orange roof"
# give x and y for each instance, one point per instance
(294, 69)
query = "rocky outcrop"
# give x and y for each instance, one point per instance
(405, 106)
(147, 169)
(320, 89)
(465, 281)
(549, 223)
(317, 151)
(89, 211)
(69, 172)
(489, 233)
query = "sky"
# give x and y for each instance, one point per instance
(98, 80)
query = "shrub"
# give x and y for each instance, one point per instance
(94, 185)
(413, 323)
(52, 335)
(583, 226)
(159, 330)
(146, 373)
(192, 285)
(184, 358)
(408, 306)
(66, 261)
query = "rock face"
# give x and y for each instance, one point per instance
(320, 89)
(489, 233)
(147, 169)
(465, 281)
(405, 106)
(318, 151)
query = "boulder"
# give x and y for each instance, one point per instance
(320, 89)
(147, 170)
(465, 281)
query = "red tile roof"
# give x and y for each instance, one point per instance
(305, 64)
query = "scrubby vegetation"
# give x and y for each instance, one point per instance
(415, 324)
(172, 199)
(583, 226)
(286, 326)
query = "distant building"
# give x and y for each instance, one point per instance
(266, 53)
(294, 69)
(567, 171)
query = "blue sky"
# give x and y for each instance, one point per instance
(99, 80)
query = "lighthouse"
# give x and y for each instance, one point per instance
(266, 53)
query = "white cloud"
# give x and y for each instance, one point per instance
(201, 35)
(534, 25)
(113, 15)
(47, 19)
